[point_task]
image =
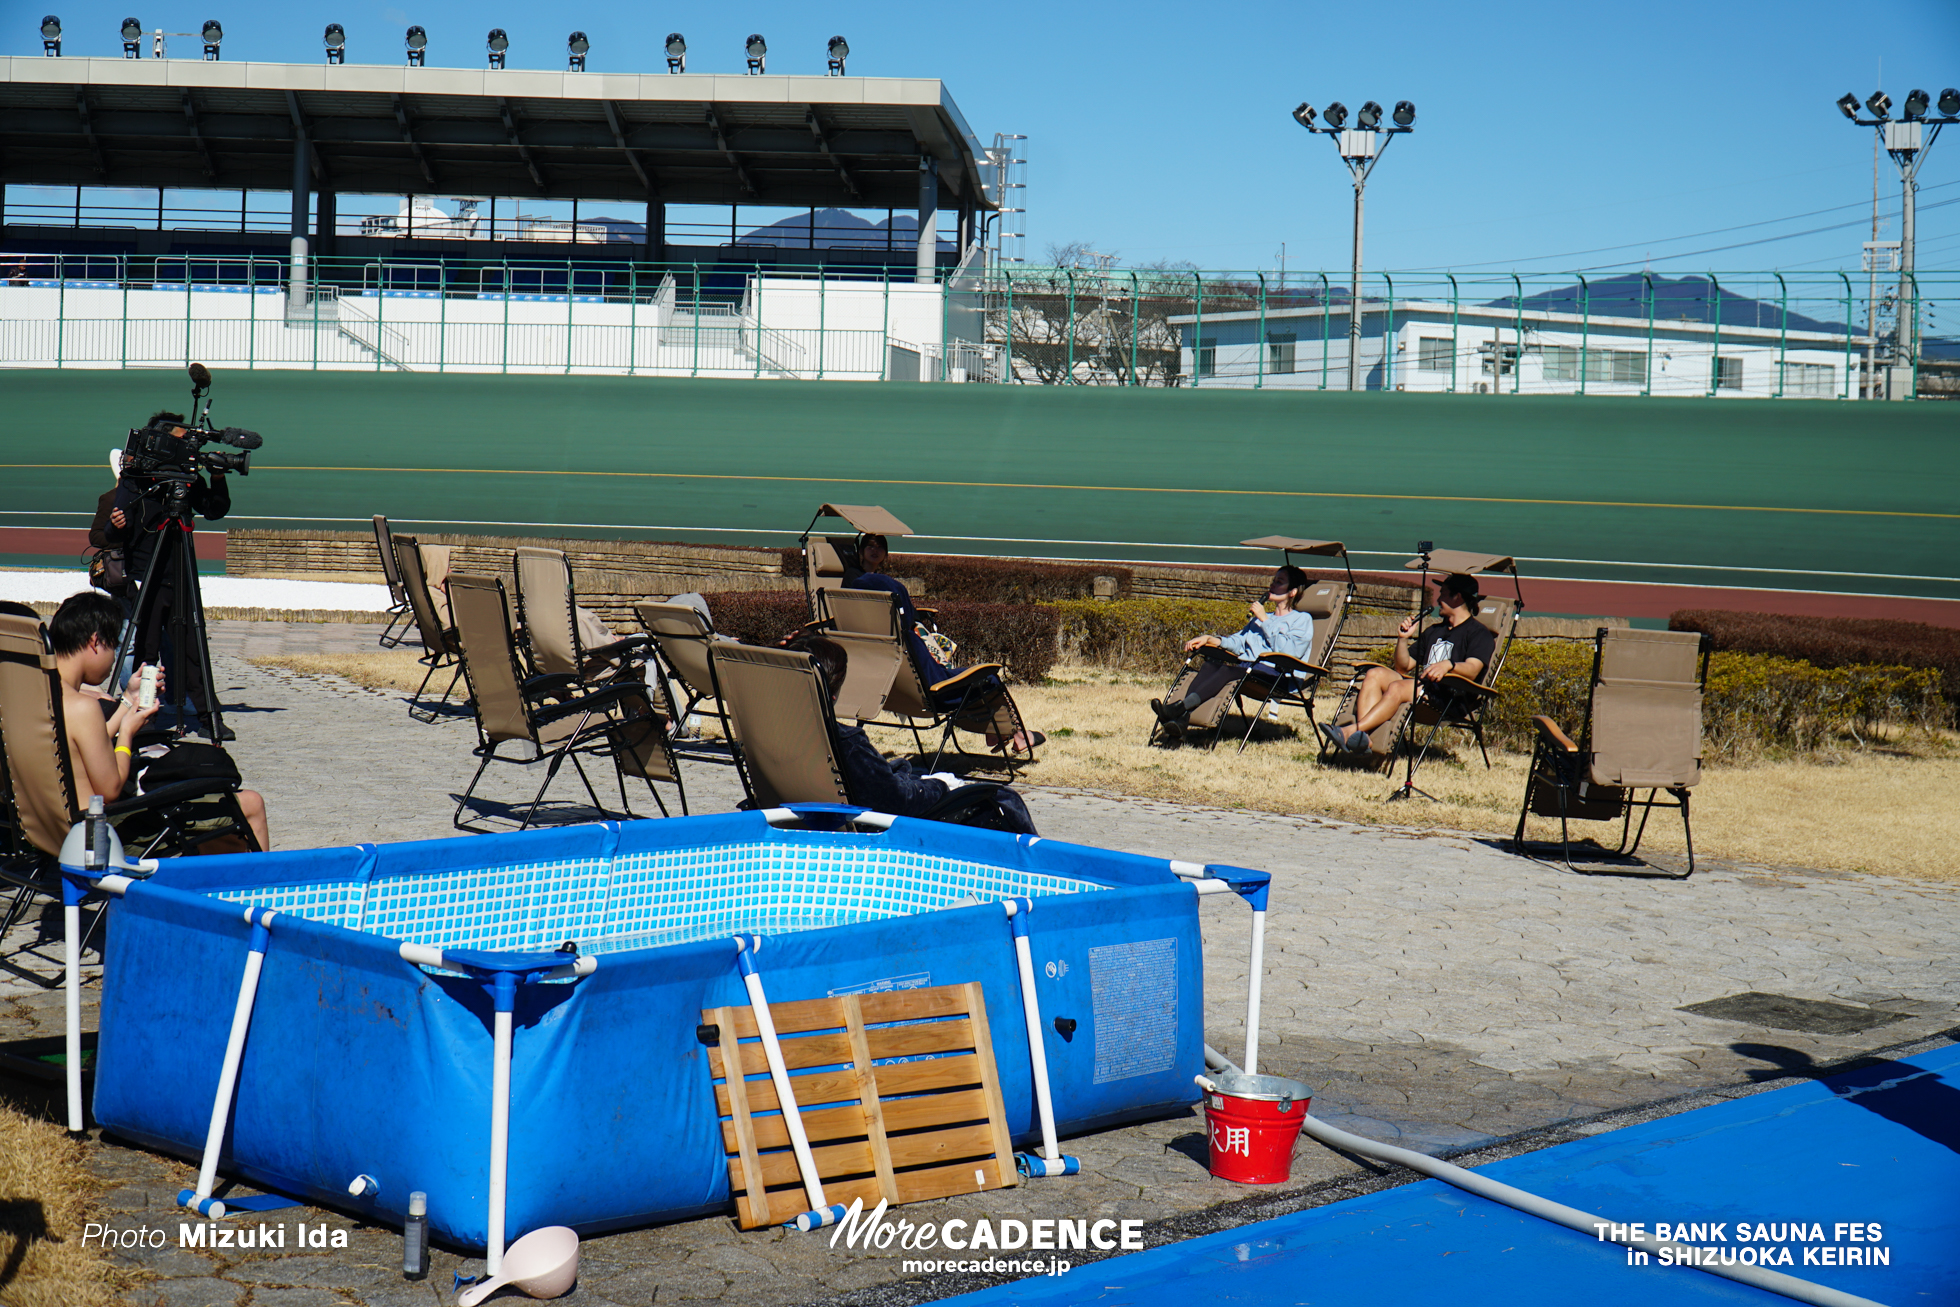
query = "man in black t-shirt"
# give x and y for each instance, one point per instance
(1459, 644)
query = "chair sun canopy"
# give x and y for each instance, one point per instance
(1331, 548)
(1462, 560)
(868, 519)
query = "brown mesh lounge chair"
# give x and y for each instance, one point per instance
(168, 821)
(440, 648)
(1293, 681)
(1463, 706)
(1642, 732)
(398, 611)
(555, 628)
(866, 623)
(557, 717)
(786, 738)
(827, 559)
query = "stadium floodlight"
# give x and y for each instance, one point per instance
(336, 39)
(1880, 104)
(213, 34)
(839, 50)
(132, 38)
(1917, 102)
(418, 46)
(499, 42)
(1360, 150)
(51, 36)
(1848, 105)
(1950, 101)
(758, 52)
(576, 45)
(676, 53)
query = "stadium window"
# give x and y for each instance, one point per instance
(1433, 353)
(1207, 351)
(1279, 351)
(1728, 372)
(1510, 359)
(1626, 367)
(1809, 379)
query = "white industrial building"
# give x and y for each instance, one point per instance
(1436, 346)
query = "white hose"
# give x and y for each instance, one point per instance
(1571, 1217)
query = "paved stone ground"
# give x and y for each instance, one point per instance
(1435, 990)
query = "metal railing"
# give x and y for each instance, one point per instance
(1748, 334)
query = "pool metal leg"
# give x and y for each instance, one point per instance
(504, 991)
(1051, 1161)
(821, 1212)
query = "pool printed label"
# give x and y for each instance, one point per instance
(1712, 1244)
(1134, 990)
(885, 985)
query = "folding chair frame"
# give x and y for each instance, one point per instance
(1560, 765)
(445, 650)
(399, 610)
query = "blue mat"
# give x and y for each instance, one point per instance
(1877, 1145)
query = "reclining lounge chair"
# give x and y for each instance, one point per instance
(1414, 729)
(398, 610)
(558, 717)
(1642, 732)
(168, 821)
(786, 738)
(555, 629)
(440, 648)
(829, 561)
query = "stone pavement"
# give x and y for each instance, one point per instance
(1435, 990)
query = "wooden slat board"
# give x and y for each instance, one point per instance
(929, 1126)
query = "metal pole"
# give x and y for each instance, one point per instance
(1912, 281)
(1199, 303)
(1325, 310)
(1847, 337)
(695, 369)
(1262, 347)
(1009, 278)
(1585, 325)
(1517, 364)
(570, 298)
(252, 310)
(926, 263)
(1354, 290)
(442, 316)
(1783, 333)
(61, 306)
(1133, 328)
(503, 368)
(1454, 300)
(1905, 328)
(822, 330)
(1647, 289)
(1715, 349)
(1070, 320)
(1388, 338)
(632, 319)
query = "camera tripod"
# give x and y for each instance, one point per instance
(175, 559)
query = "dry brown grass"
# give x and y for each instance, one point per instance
(45, 1197)
(1892, 811)
(383, 669)
(1889, 812)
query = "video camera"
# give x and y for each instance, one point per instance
(173, 451)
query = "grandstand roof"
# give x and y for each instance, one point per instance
(690, 138)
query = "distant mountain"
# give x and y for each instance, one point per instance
(840, 228)
(1689, 299)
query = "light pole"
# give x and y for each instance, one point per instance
(1907, 141)
(1360, 149)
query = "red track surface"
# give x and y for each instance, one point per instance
(64, 544)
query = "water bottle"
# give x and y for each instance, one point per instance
(415, 1237)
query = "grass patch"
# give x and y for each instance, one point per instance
(383, 669)
(45, 1196)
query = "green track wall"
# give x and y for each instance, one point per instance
(1798, 488)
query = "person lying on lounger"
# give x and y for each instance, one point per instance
(1457, 644)
(888, 786)
(1283, 630)
(84, 632)
(873, 556)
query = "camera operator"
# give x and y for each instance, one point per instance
(142, 516)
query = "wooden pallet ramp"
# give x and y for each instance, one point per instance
(898, 1094)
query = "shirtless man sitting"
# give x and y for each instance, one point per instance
(1459, 643)
(84, 632)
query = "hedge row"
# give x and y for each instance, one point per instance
(1832, 641)
(1141, 635)
(1754, 701)
(990, 580)
(1020, 636)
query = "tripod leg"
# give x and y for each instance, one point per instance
(193, 617)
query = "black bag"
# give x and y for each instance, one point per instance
(108, 572)
(187, 761)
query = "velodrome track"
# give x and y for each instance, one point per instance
(1829, 498)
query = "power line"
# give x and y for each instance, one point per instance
(1693, 235)
(1768, 240)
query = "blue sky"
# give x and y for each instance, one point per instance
(1549, 136)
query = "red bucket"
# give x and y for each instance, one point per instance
(1253, 1122)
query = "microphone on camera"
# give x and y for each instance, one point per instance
(200, 376)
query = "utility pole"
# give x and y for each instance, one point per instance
(1360, 149)
(1907, 141)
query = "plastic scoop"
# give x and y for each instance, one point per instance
(543, 1264)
